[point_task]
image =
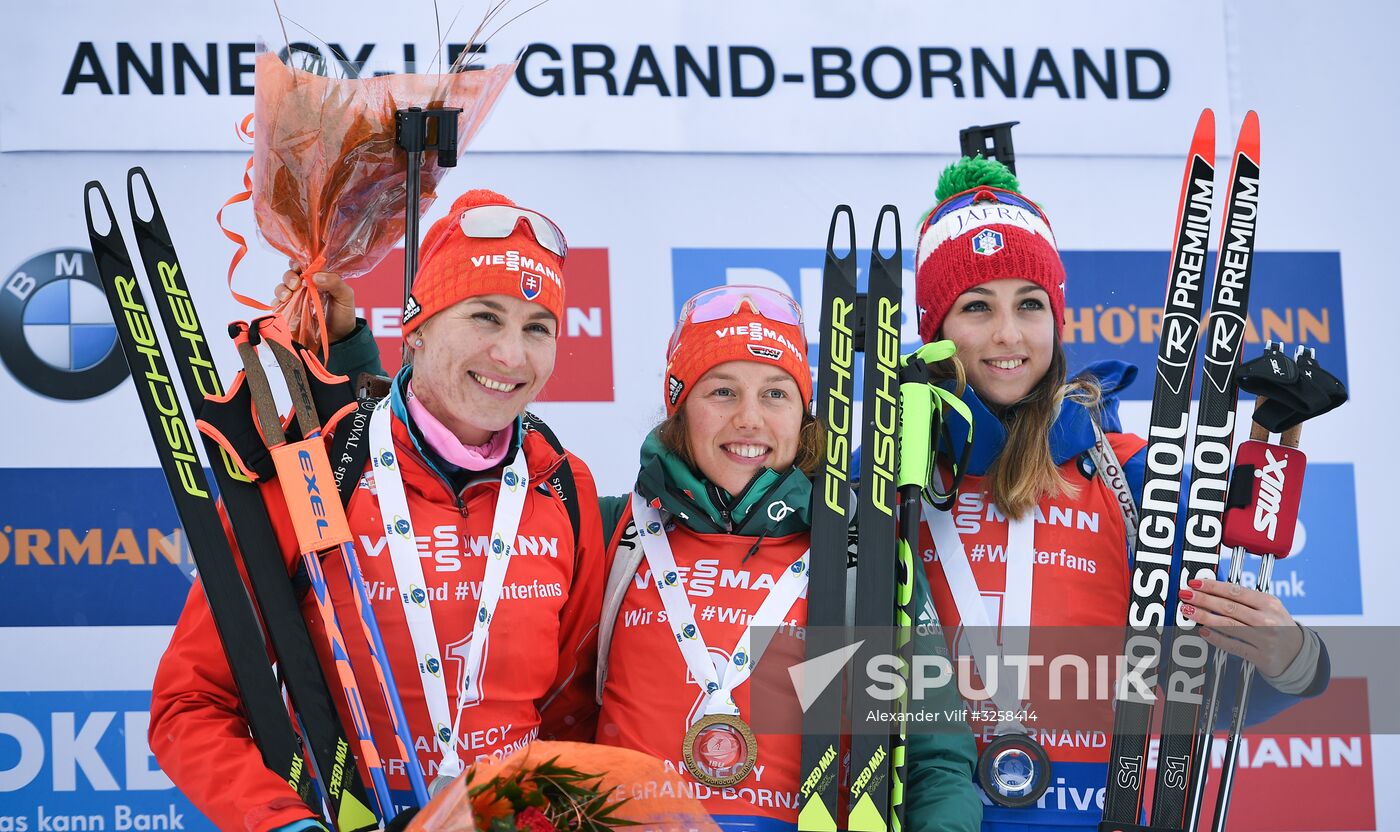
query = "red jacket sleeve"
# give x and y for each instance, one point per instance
(570, 711)
(200, 735)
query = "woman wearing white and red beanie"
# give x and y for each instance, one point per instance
(713, 542)
(989, 277)
(502, 649)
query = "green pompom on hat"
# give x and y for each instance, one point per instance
(968, 173)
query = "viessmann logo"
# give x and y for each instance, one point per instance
(56, 332)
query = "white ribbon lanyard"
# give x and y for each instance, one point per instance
(718, 687)
(972, 610)
(414, 592)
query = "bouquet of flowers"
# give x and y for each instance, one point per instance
(329, 179)
(566, 787)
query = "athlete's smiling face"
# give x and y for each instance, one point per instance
(482, 361)
(1005, 332)
(742, 417)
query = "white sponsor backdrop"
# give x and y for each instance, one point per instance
(721, 173)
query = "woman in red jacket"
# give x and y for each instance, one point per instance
(1033, 556)
(482, 328)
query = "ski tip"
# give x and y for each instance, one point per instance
(1248, 142)
(843, 215)
(1205, 128)
(144, 211)
(110, 224)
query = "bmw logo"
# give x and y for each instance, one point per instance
(387, 459)
(401, 526)
(56, 332)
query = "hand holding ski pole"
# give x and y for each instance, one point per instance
(1244, 622)
(337, 297)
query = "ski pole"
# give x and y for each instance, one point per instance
(330, 532)
(1264, 526)
(920, 419)
(270, 424)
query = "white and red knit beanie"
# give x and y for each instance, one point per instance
(982, 229)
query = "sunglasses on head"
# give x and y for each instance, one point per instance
(496, 222)
(723, 301)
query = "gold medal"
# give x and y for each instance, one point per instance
(720, 750)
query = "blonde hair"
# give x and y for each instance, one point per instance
(1025, 472)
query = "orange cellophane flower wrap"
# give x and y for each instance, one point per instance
(657, 800)
(329, 179)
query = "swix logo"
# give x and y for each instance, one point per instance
(1271, 480)
(756, 332)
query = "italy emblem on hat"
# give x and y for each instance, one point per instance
(530, 285)
(988, 242)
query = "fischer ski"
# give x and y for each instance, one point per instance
(871, 752)
(234, 618)
(328, 749)
(1183, 746)
(1136, 690)
(819, 776)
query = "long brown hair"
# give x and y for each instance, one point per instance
(1025, 472)
(811, 441)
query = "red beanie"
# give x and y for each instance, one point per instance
(454, 267)
(743, 336)
(982, 234)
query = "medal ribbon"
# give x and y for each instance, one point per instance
(972, 610)
(719, 689)
(408, 573)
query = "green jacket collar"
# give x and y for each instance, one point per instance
(772, 505)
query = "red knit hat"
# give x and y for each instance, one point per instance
(454, 267)
(744, 335)
(980, 234)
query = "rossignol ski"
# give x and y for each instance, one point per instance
(1183, 747)
(871, 757)
(327, 747)
(819, 776)
(1136, 689)
(234, 618)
